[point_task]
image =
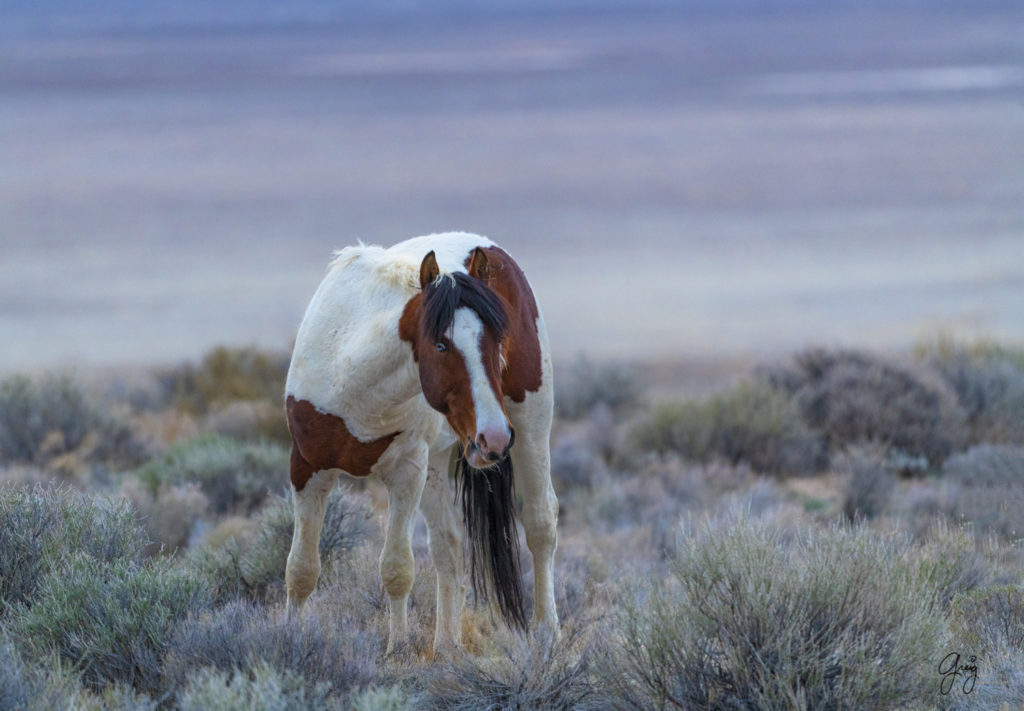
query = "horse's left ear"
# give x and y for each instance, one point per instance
(428, 270)
(478, 266)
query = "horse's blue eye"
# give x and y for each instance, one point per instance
(441, 348)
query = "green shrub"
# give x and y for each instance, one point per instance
(753, 423)
(322, 648)
(260, 688)
(751, 620)
(43, 529)
(253, 566)
(235, 476)
(853, 397)
(585, 385)
(225, 375)
(110, 622)
(985, 486)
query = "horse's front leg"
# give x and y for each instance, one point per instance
(404, 481)
(531, 463)
(446, 552)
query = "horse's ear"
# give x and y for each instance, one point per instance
(478, 265)
(428, 270)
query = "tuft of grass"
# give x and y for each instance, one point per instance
(586, 386)
(43, 529)
(538, 674)
(751, 620)
(258, 687)
(387, 698)
(754, 423)
(112, 623)
(235, 476)
(853, 397)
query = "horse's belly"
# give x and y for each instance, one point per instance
(324, 441)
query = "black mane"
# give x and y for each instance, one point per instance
(447, 293)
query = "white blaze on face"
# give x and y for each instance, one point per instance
(467, 335)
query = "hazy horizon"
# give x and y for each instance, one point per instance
(675, 184)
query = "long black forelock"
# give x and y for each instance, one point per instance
(443, 296)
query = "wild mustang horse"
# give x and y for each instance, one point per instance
(407, 358)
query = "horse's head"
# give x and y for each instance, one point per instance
(456, 325)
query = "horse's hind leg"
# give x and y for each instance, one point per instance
(446, 552)
(310, 505)
(531, 464)
(404, 481)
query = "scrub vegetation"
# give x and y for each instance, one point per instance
(823, 533)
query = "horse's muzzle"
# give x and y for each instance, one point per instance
(480, 458)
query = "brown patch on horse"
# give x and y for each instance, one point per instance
(523, 372)
(323, 441)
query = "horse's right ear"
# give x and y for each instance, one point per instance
(428, 270)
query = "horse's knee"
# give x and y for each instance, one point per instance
(300, 578)
(541, 524)
(397, 571)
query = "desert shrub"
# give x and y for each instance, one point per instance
(321, 646)
(751, 621)
(525, 674)
(259, 687)
(42, 529)
(169, 517)
(989, 383)
(49, 417)
(868, 482)
(253, 565)
(235, 476)
(854, 397)
(227, 374)
(586, 385)
(754, 423)
(113, 622)
(985, 485)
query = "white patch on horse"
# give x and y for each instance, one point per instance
(467, 332)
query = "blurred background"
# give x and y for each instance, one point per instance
(699, 179)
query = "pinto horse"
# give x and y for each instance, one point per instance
(407, 358)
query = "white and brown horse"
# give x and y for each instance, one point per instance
(404, 355)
